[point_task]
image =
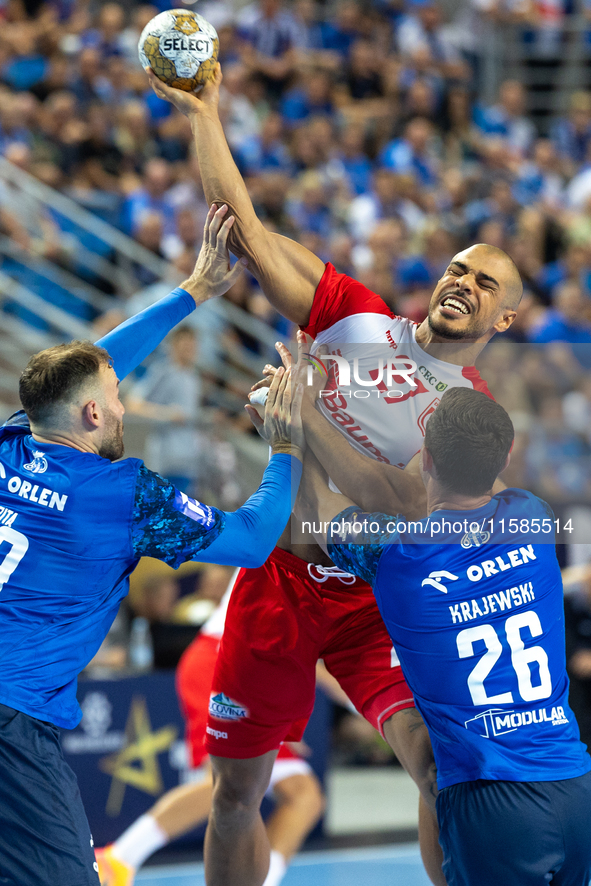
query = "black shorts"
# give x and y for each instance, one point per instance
(45, 839)
(506, 833)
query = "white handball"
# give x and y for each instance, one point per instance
(181, 47)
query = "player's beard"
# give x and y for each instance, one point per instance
(112, 446)
(447, 330)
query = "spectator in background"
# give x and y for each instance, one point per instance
(265, 151)
(152, 196)
(573, 265)
(169, 395)
(422, 27)
(387, 199)
(539, 180)
(412, 154)
(572, 135)
(558, 463)
(313, 96)
(271, 37)
(356, 166)
(310, 207)
(568, 320)
(507, 119)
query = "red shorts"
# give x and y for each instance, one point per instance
(281, 619)
(193, 682)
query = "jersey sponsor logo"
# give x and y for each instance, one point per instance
(492, 567)
(434, 382)
(475, 539)
(38, 465)
(194, 509)
(40, 495)
(223, 708)
(435, 578)
(217, 733)
(468, 610)
(496, 721)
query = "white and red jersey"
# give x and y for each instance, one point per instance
(387, 420)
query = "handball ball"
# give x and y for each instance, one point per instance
(181, 48)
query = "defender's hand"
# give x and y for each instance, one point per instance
(213, 276)
(282, 425)
(186, 102)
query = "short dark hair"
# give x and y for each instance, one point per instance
(469, 437)
(53, 376)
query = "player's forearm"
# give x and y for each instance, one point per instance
(373, 485)
(130, 343)
(287, 272)
(251, 532)
(221, 180)
(316, 504)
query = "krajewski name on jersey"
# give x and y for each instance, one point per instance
(468, 610)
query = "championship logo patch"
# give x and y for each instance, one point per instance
(194, 509)
(223, 708)
(475, 539)
(38, 465)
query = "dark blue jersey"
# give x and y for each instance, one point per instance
(73, 526)
(477, 622)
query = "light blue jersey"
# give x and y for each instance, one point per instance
(478, 625)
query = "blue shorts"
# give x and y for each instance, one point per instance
(45, 839)
(508, 833)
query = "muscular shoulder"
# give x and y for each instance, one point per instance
(339, 297)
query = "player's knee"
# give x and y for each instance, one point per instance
(237, 790)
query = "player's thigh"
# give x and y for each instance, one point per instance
(45, 836)
(358, 652)
(572, 799)
(494, 832)
(264, 682)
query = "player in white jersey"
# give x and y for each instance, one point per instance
(300, 611)
(293, 786)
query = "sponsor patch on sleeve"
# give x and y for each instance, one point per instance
(194, 509)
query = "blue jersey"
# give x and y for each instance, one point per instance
(73, 526)
(478, 625)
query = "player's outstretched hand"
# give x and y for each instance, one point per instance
(213, 275)
(282, 424)
(186, 102)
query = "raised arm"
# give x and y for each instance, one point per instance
(287, 272)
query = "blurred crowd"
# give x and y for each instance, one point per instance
(361, 131)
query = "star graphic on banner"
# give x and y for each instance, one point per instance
(137, 763)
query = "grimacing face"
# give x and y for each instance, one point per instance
(474, 295)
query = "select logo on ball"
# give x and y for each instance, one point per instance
(181, 47)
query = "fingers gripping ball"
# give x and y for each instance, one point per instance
(181, 47)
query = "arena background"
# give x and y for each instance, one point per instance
(384, 137)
